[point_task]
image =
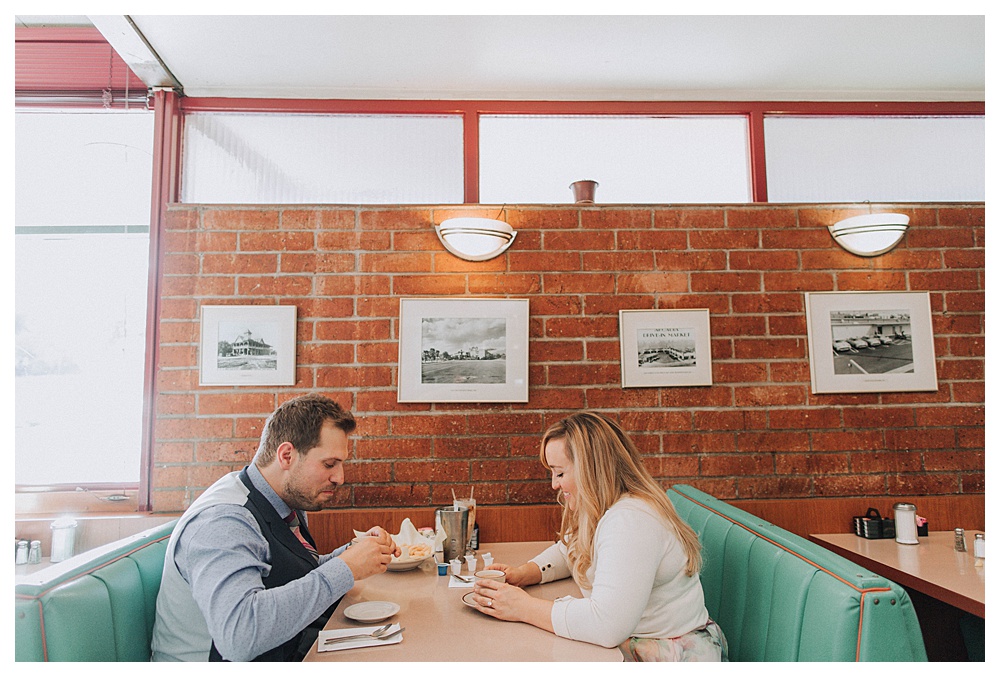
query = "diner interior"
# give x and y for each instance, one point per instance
(757, 243)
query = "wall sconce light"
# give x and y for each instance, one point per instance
(475, 239)
(870, 234)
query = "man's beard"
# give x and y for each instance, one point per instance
(297, 499)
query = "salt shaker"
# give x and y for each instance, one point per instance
(979, 549)
(22, 553)
(960, 540)
(35, 553)
(905, 515)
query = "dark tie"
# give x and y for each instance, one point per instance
(294, 525)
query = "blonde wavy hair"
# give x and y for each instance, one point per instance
(607, 466)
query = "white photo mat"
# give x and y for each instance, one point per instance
(665, 348)
(247, 345)
(870, 342)
(463, 350)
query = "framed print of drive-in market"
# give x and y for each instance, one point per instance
(870, 342)
(665, 348)
(463, 350)
(247, 345)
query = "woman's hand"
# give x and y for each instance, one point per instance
(522, 576)
(508, 602)
(500, 600)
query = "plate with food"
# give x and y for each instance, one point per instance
(411, 557)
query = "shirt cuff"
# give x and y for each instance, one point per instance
(552, 569)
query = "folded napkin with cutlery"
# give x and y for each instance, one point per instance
(356, 638)
(461, 581)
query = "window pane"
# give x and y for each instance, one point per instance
(82, 183)
(876, 159)
(345, 159)
(534, 159)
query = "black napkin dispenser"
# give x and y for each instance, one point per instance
(872, 525)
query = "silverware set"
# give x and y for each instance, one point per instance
(380, 633)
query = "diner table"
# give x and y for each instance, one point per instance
(945, 586)
(932, 567)
(440, 627)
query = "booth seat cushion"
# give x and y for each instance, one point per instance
(97, 606)
(779, 597)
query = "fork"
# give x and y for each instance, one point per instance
(375, 634)
(380, 638)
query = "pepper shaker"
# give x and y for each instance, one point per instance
(960, 540)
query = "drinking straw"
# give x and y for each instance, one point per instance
(453, 496)
(472, 490)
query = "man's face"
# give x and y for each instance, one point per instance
(313, 478)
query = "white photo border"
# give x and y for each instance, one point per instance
(633, 376)
(209, 373)
(411, 313)
(824, 379)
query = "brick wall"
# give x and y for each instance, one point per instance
(758, 432)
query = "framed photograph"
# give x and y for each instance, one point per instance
(870, 342)
(463, 350)
(247, 345)
(665, 348)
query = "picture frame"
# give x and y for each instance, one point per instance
(663, 348)
(463, 350)
(870, 342)
(247, 345)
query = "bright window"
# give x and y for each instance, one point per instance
(82, 206)
(255, 158)
(634, 159)
(875, 159)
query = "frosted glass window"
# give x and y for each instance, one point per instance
(534, 159)
(83, 184)
(331, 159)
(877, 159)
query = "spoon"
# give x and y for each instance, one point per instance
(376, 634)
(464, 579)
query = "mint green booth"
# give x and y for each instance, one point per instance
(96, 606)
(779, 597)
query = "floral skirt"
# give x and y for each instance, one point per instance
(707, 643)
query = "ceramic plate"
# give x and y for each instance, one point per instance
(371, 612)
(467, 600)
(407, 564)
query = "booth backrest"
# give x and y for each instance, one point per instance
(779, 597)
(96, 606)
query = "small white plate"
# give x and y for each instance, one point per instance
(371, 612)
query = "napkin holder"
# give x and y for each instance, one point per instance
(872, 525)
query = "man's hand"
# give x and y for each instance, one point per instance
(370, 554)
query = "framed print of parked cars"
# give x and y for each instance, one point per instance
(247, 345)
(463, 350)
(665, 348)
(870, 342)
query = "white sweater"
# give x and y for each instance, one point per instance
(639, 588)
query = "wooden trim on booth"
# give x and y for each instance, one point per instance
(801, 516)
(804, 516)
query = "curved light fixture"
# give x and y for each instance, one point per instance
(475, 239)
(870, 234)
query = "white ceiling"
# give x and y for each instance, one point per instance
(615, 58)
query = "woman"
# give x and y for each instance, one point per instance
(623, 543)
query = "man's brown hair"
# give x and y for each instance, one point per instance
(300, 421)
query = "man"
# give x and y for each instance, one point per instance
(241, 577)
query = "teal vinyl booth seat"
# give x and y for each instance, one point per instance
(779, 597)
(96, 606)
